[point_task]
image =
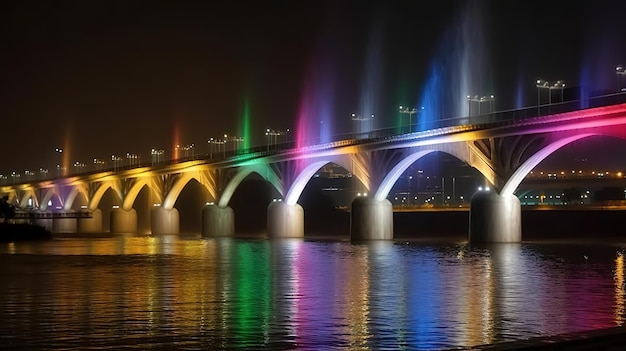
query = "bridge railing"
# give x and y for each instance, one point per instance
(397, 132)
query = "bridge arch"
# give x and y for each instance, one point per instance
(301, 181)
(264, 170)
(133, 192)
(392, 176)
(520, 173)
(94, 203)
(69, 200)
(47, 197)
(172, 196)
(28, 194)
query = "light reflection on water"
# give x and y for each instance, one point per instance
(193, 293)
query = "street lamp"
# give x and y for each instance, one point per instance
(490, 99)
(60, 164)
(116, 161)
(544, 84)
(157, 155)
(620, 71)
(78, 167)
(406, 111)
(272, 136)
(358, 120)
(98, 164)
(236, 140)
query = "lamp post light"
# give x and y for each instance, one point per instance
(544, 84)
(157, 155)
(479, 100)
(79, 167)
(98, 164)
(133, 159)
(189, 150)
(60, 164)
(272, 136)
(236, 142)
(217, 142)
(358, 124)
(117, 161)
(410, 112)
(621, 72)
(43, 173)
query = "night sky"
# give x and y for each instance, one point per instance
(98, 78)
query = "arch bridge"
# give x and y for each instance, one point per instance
(503, 150)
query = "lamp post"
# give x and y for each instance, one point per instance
(544, 84)
(116, 162)
(133, 159)
(272, 136)
(98, 164)
(620, 71)
(358, 123)
(236, 141)
(157, 155)
(60, 164)
(479, 100)
(410, 112)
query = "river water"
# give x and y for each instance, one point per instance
(187, 292)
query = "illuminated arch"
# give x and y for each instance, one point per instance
(28, 194)
(396, 172)
(521, 172)
(69, 200)
(264, 170)
(177, 188)
(94, 203)
(301, 181)
(133, 192)
(51, 192)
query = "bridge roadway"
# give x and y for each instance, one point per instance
(503, 147)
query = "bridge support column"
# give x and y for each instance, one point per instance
(284, 220)
(217, 221)
(91, 225)
(45, 219)
(164, 221)
(495, 218)
(64, 225)
(371, 219)
(123, 221)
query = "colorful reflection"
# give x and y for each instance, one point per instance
(193, 293)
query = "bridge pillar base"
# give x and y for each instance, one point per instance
(371, 219)
(123, 221)
(284, 220)
(217, 221)
(91, 225)
(47, 223)
(164, 221)
(64, 225)
(495, 218)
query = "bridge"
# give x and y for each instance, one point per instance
(504, 147)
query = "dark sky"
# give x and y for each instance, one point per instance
(98, 78)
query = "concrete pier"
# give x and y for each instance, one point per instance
(164, 221)
(371, 219)
(217, 221)
(285, 221)
(123, 221)
(64, 225)
(47, 223)
(495, 218)
(91, 225)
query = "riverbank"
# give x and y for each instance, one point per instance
(17, 232)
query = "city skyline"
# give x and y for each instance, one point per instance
(114, 78)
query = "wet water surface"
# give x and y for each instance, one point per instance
(172, 292)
